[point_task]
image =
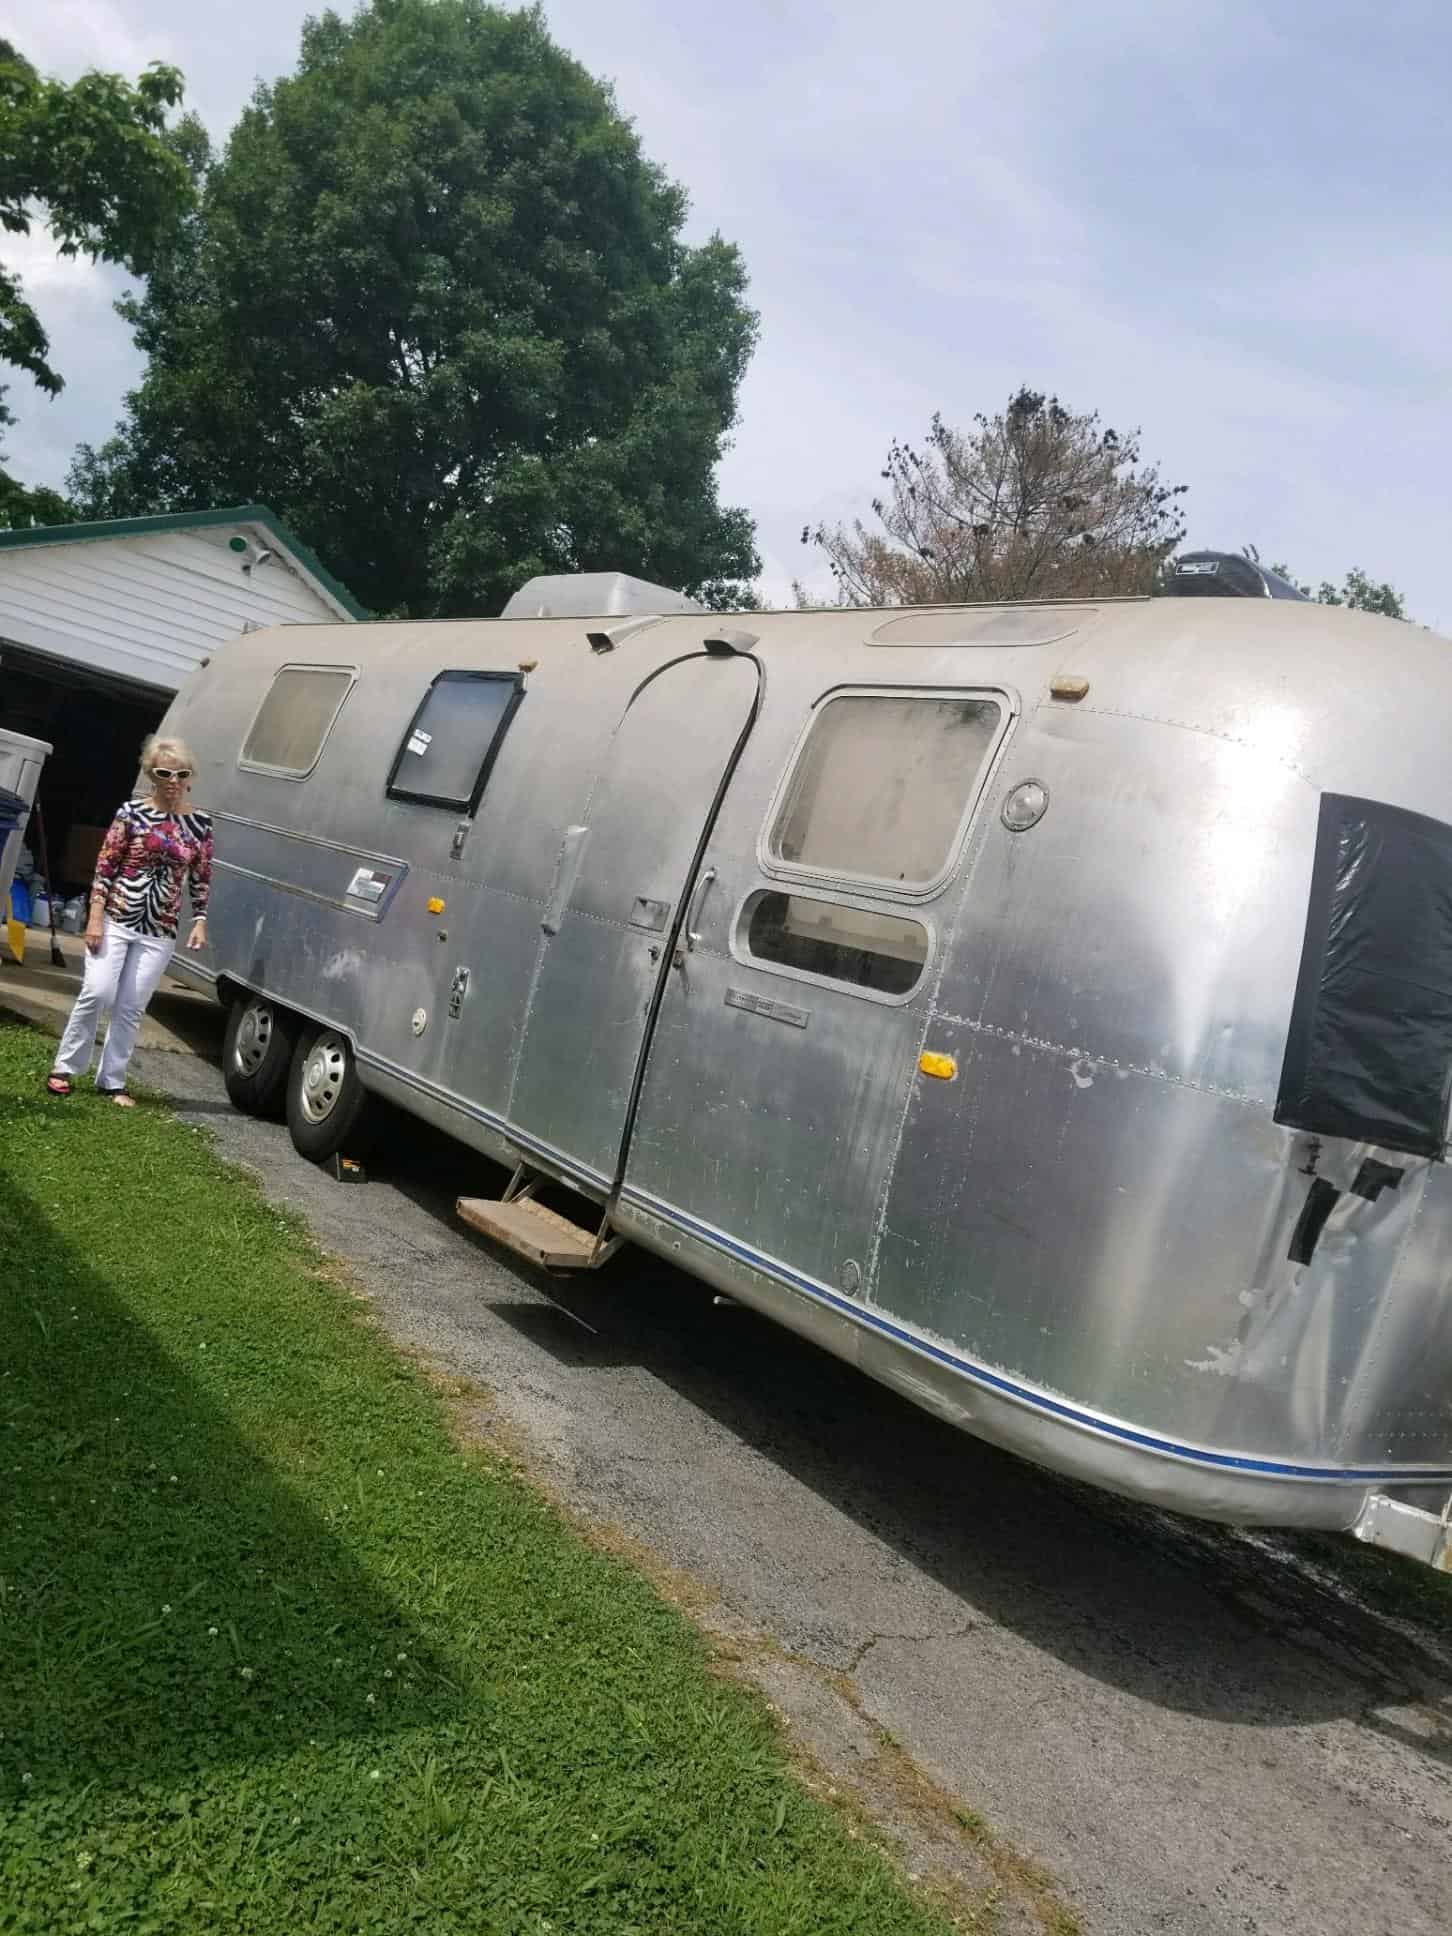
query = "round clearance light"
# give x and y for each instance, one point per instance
(236, 544)
(1026, 806)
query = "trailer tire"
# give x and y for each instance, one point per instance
(327, 1106)
(257, 1048)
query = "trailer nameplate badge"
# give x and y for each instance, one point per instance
(760, 1005)
(367, 886)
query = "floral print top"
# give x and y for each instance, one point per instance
(144, 858)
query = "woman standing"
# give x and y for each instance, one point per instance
(153, 845)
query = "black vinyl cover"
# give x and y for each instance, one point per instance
(1369, 1055)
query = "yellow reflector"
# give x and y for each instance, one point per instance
(436, 906)
(944, 1067)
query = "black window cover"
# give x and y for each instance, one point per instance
(1369, 1055)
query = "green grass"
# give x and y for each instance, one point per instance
(277, 1656)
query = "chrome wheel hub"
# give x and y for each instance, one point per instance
(254, 1037)
(325, 1066)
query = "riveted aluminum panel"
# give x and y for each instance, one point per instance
(778, 1118)
(1103, 1202)
(647, 812)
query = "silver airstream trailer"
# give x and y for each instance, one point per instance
(1047, 1008)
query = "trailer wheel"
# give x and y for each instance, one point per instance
(327, 1105)
(257, 1047)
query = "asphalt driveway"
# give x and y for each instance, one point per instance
(1185, 1729)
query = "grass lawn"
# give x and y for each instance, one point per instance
(276, 1656)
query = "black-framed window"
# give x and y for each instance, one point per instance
(454, 738)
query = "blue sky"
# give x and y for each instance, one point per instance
(1230, 225)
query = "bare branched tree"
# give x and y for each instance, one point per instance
(1036, 502)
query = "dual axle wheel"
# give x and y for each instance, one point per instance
(275, 1063)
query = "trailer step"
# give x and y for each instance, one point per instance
(543, 1236)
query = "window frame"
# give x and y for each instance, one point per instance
(741, 951)
(295, 773)
(456, 675)
(1008, 703)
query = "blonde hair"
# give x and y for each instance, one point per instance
(156, 744)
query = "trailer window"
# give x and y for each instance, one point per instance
(294, 720)
(881, 952)
(453, 739)
(883, 786)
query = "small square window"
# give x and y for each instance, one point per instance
(453, 739)
(293, 722)
(884, 953)
(883, 787)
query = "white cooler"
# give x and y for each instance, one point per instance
(20, 762)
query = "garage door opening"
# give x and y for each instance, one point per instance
(96, 727)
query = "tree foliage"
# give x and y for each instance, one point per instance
(1356, 591)
(92, 160)
(1035, 502)
(22, 508)
(436, 310)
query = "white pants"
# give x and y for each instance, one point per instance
(122, 977)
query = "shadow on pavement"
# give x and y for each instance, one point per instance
(1179, 1613)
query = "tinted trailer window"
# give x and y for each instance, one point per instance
(454, 738)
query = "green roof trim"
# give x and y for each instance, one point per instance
(42, 534)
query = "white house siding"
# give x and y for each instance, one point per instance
(152, 605)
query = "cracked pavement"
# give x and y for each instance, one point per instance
(1192, 1731)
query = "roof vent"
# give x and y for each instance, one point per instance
(985, 625)
(595, 594)
(1225, 574)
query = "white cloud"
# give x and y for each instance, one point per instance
(68, 35)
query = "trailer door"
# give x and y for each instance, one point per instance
(787, 1055)
(621, 892)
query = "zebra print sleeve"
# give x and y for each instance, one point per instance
(199, 874)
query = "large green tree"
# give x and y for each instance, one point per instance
(93, 160)
(90, 160)
(436, 310)
(23, 507)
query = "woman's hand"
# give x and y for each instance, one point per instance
(198, 936)
(95, 931)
